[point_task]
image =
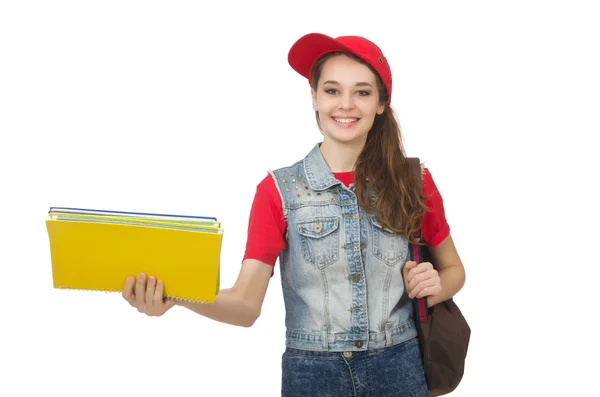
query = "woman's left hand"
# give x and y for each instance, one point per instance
(421, 280)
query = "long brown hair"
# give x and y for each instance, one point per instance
(383, 167)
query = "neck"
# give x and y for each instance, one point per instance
(341, 157)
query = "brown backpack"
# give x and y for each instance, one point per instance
(443, 331)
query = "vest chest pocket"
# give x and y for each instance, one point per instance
(387, 246)
(320, 239)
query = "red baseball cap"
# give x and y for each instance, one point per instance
(310, 47)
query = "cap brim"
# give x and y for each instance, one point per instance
(309, 48)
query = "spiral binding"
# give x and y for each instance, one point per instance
(177, 298)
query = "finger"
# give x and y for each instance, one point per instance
(420, 268)
(128, 294)
(140, 291)
(428, 291)
(420, 287)
(410, 264)
(158, 294)
(150, 287)
(419, 277)
(407, 267)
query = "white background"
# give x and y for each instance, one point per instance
(182, 107)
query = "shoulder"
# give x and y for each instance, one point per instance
(285, 171)
(429, 187)
(267, 202)
(434, 225)
(281, 177)
(273, 184)
(431, 194)
(267, 190)
(273, 176)
(266, 183)
(427, 183)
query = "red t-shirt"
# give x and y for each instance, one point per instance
(266, 227)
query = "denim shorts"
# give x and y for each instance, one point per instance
(392, 371)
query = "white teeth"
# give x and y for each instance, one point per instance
(345, 121)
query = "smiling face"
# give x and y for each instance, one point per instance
(346, 99)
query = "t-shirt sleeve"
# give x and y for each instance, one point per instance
(266, 226)
(434, 226)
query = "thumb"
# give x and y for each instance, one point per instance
(168, 303)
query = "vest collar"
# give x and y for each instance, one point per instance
(318, 173)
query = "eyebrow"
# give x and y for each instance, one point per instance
(361, 84)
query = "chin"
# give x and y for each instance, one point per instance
(345, 136)
(346, 140)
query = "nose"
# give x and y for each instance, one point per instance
(346, 101)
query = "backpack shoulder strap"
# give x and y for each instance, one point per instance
(420, 308)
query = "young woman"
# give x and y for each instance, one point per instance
(340, 221)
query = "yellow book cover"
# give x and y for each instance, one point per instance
(100, 255)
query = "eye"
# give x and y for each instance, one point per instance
(363, 93)
(331, 91)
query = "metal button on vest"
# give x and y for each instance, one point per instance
(347, 354)
(318, 228)
(358, 343)
(356, 278)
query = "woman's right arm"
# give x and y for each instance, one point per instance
(241, 304)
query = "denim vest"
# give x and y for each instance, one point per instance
(340, 272)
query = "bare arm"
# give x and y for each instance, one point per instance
(450, 268)
(437, 284)
(241, 304)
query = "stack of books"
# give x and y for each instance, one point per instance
(97, 250)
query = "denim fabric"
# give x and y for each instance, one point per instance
(341, 271)
(394, 371)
